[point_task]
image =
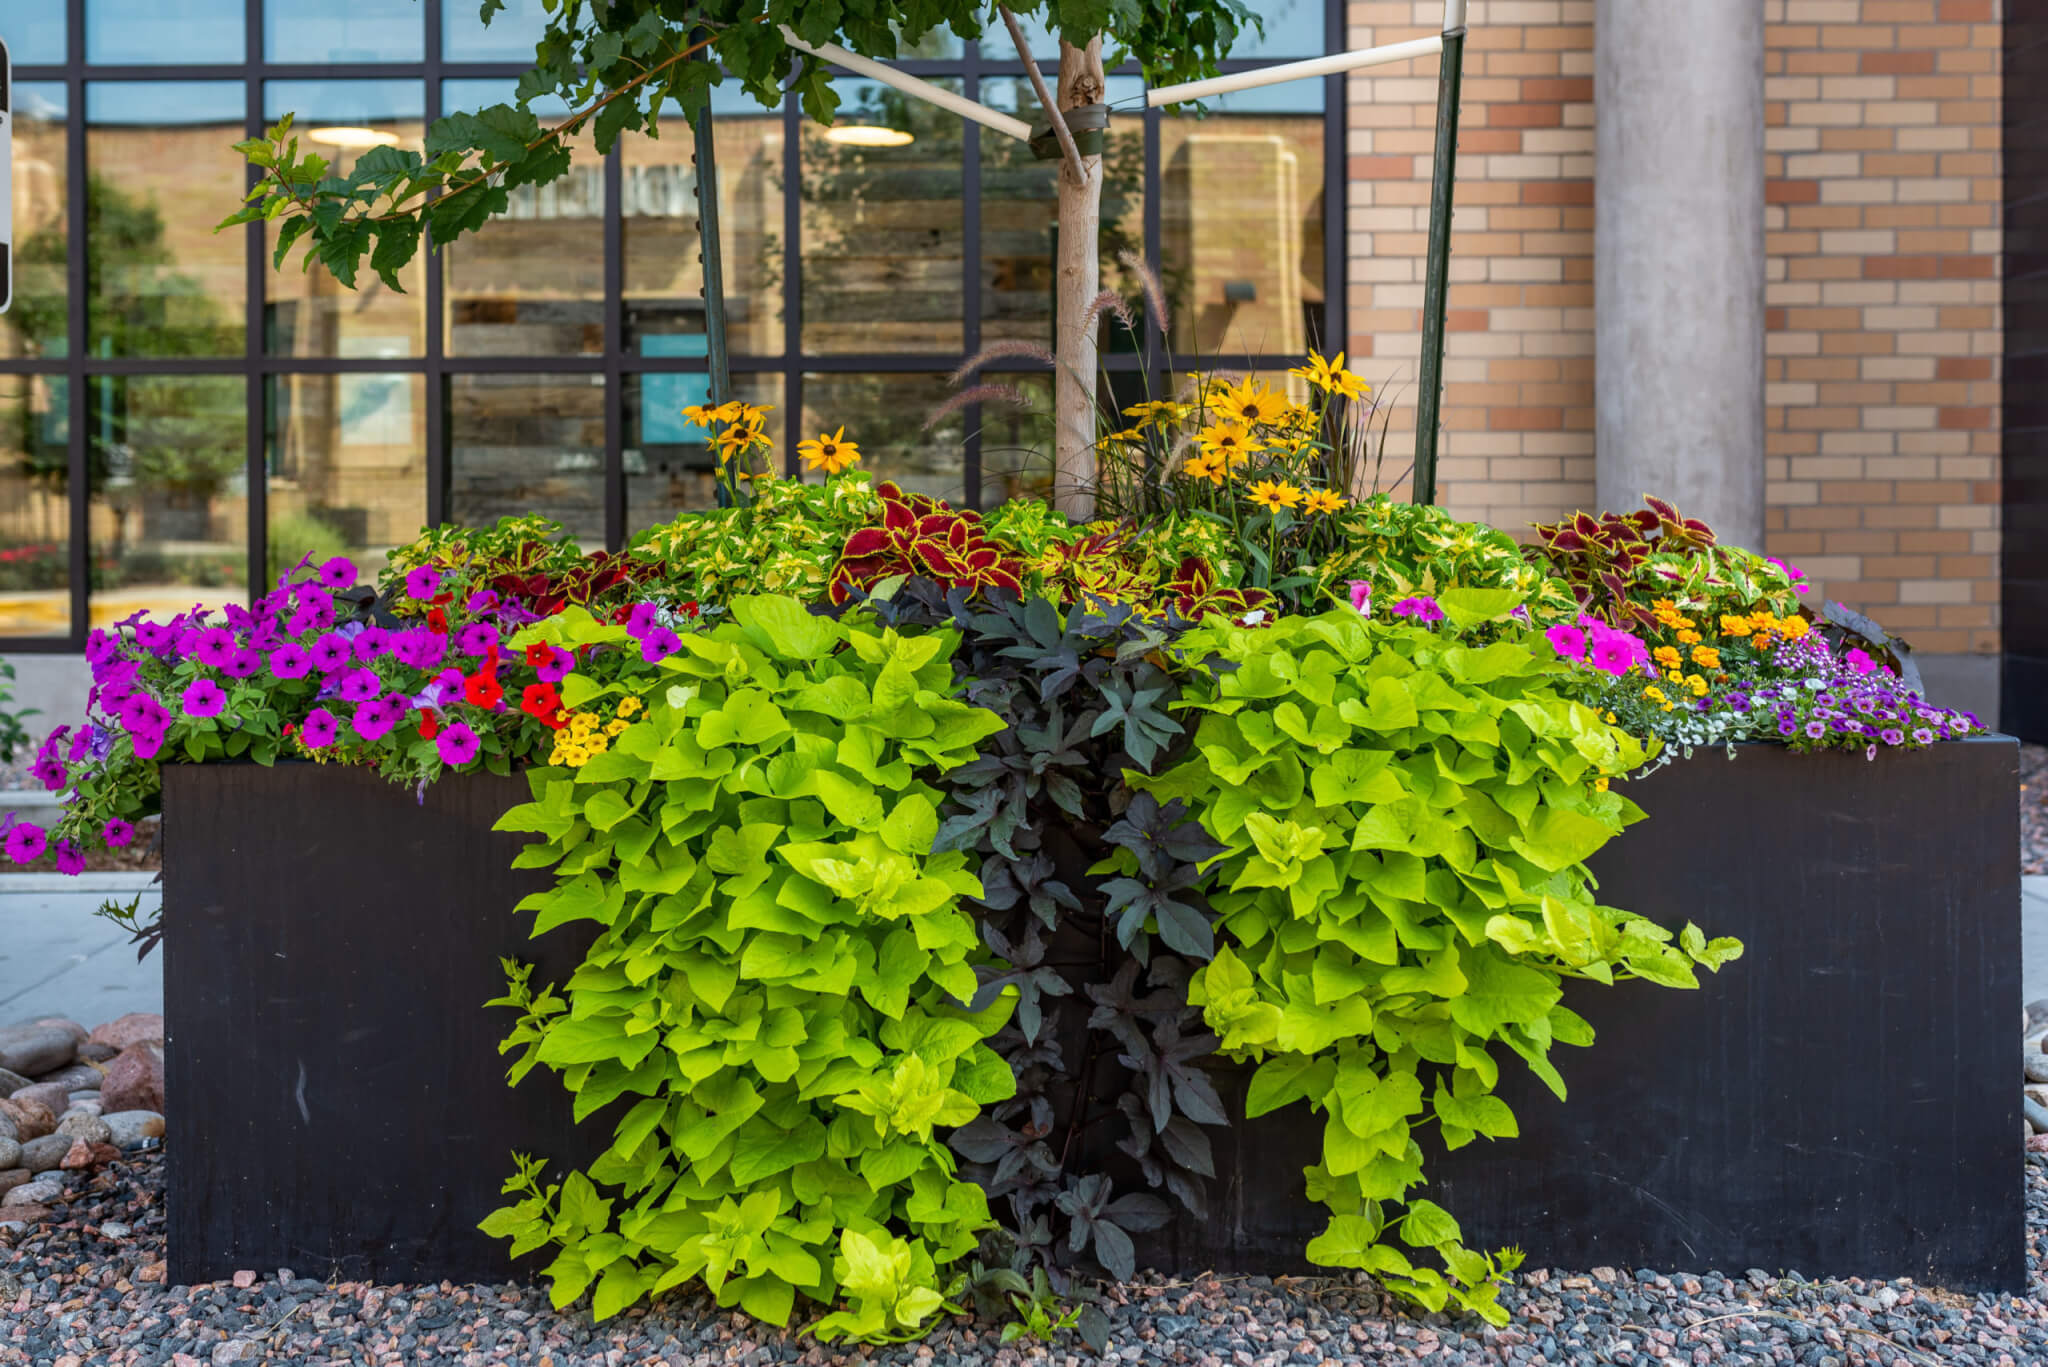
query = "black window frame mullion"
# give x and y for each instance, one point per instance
(970, 272)
(614, 350)
(77, 266)
(792, 282)
(1336, 191)
(258, 392)
(440, 463)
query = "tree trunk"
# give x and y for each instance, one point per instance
(1079, 280)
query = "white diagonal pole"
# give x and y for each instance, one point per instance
(911, 85)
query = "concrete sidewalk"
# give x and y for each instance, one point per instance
(58, 959)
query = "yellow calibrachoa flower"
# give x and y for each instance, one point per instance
(1600, 784)
(1322, 501)
(1706, 657)
(1274, 496)
(629, 706)
(831, 453)
(1674, 675)
(1697, 684)
(1207, 465)
(616, 725)
(1654, 693)
(1249, 402)
(1230, 441)
(1666, 656)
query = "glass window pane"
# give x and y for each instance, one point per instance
(882, 225)
(1294, 28)
(164, 172)
(527, 443)
(357, 31)
(1017, 439)
(511, 36)
(35, 324)
(162, 32)
(168, 460)
(531, 281)
(664, 276)
(35, 509)
(1020, 209)
(1242, 227)
(305, 312)
(885, 416)
(34, 30)
(670, 467)
(347, 468)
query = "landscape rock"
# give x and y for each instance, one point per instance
(237, 1350)
(128, 1128)
(38, 1192)
(135, 1080)
(69, 1026)
(10, 1178)
(10, 1083)
(86, 1154)
(137, 1027)
(41, 1155)
(89, 1102)
(2037, 1067)
(83, 1125)
(75, 1077)
(91, 1052)
(114, 1229)
(54, 1096)
(29, 1119)
(8, 1129)
(10, 1154)
(34, 1049)
(20, 1217)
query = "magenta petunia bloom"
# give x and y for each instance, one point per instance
(360, 685)
(423, 583)
(101, 646)
(243, 663)
(70, 862)
(1361, 596)
(290, 661)
(644, 618)
(476, 639)
(314, 607)
(332, 651)
(483, 601)
(319, 729)
(148, 741)
(374, 719)
(420, 648)
(658, 644)
(203, 698)
(457, 744)
(370, 643)
(26, 842)
(154, 638)
(1860, 661)
(50, 772)
(339, 573)
(214, 648)
(117, 833)
(1569, 642)
(1421, 607)
(559, 666)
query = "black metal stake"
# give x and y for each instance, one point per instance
(1436, 289)
(710, 254)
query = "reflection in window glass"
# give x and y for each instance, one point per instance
(162, 32)
(670, 467)
(531, 281)
(885, 416)
(35, 511)
(1020, 209)
(1017, 439)
(34, 30)
(161, 167)
(1294, 28)
(882, 225)
(357, 31)
(305, 312)
(1242, 223)
(522, 444)
(664, 274)
(170, 492)
(35, 324)
(345, 456)
(510, 36)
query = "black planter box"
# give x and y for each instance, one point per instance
(1840, 1101)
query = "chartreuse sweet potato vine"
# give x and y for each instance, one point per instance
(778, 975)
(1402, 889)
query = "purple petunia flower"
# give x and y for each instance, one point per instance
(483, 601)
(423, 583)
(457, 744)
(361, 685)
(1567, 641)
(203, 698)
(319, 729)
(214, 647)
(1923, 735)
(50, 772)
(154, 637)
(1421, 607)
(339, 573)
(82, 743)
(25, 842)
(148, 741)
(117, 833)
(370, 643)
(559, 666)
(658, 644)
(332, 651)
(644, 618)
(420, 648)
(290, 661)
(101, 646)
(374, 719)
(70, 862)
(242, 663)
(476, 639)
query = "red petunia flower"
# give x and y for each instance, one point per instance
(429, 724)
(539, 653)
(437, 620)
(481, 690)
(543, 703)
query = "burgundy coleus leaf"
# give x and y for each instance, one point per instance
(864, 542)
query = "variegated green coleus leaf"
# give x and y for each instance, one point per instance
(774, 1008)
(1405, 820)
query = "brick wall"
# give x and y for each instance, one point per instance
(1882, 231)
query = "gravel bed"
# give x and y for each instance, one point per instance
(87, 1289)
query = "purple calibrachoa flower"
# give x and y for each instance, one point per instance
(25, 842)
(117, 833)
(339, 573)
(319, 729)
(658, 644)
(203, 698)
(423, 583)
(290, 661)
(457, 744)
(361, 685)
